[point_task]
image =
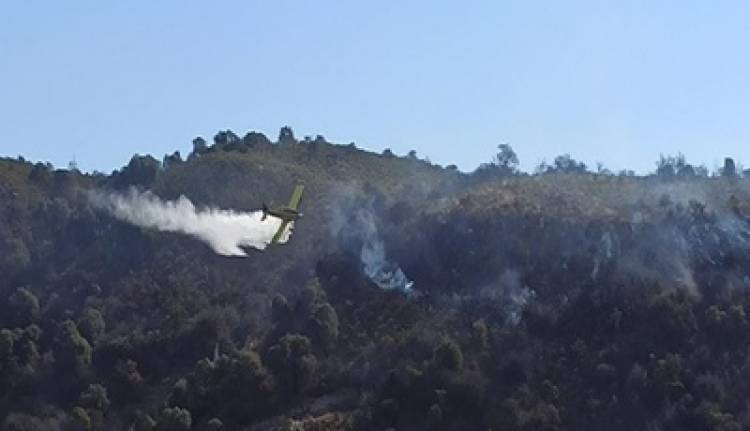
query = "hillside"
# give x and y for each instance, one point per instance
(410, 296)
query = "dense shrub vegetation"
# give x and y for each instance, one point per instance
(563, 300)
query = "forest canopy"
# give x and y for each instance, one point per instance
(411, 296)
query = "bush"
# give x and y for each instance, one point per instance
(448, 356)
(293, 361)
(141, 172)
(14, 256)
(174, 419)
(26, 422)
(236, 387)
(73, 351)
(79, 420)
(325, 324)
(144, 422)
(23, 308)
(91, 324)
(95, 397)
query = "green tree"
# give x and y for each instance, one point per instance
(95, 397)
(174, 419)
(171, 160)
(223, 386)
(325, 324)
(242, 377)
(23, 308)
(566, 164)
(73, 351)
(729, 169)
(14, 256)
(41, 174)
(79, 420)
(199, 146)
(256, 139)
(293, 361)
(228, 141)
(141, 171)
(506, 159)
(214, 424)
(448, 356)
(7, 341)
(286, 136)
(25, 422)
(91, 324)
(144, 422)
(480, 334)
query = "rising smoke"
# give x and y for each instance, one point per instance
(386, 274)
(226, 231)
(509, 294)
(353, 221)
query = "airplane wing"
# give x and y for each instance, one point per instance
(296, 196)
(279, 232)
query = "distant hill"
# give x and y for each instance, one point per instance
(410, 296)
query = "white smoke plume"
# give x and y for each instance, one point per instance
(386, 274)
(353, 220)
(226, 231)
(510, 294)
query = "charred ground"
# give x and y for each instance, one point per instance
(565, 300)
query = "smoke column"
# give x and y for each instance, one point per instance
(387, 275)
(382, 272)
(353, 222)
(226, 231)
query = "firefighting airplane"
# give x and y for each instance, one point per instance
(287, 214)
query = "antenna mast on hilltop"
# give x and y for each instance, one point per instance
(73, 165)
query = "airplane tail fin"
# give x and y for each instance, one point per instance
(265, 212)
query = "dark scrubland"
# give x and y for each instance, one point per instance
(560, 300)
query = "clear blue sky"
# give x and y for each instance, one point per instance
(612, 81)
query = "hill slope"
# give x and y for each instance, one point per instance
(552, 301)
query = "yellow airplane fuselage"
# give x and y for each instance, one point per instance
(285, 213)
